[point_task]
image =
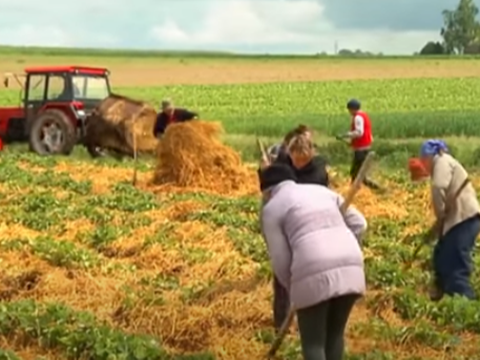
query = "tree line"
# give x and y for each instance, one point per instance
(460, 32)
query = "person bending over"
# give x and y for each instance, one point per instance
(168, 115)
(308, 169)
(316, 255)
(459, 219)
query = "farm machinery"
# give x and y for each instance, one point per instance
(54, 105)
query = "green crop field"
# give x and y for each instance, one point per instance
(403, 109)
(94, 268)
(399, 108)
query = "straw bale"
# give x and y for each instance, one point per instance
(114, 122)
(192, 155)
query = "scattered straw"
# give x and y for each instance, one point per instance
(232, 310)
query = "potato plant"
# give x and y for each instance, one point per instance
(160, 250)
(185, 275)
(413, 105)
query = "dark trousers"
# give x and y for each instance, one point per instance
(322, 328)
(452, 258)
(281, 304)
(359, 157)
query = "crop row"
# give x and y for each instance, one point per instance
(399, 108)
(45, 201)
(78, 335)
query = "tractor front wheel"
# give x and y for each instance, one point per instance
(52, 133)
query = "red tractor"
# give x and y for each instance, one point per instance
(56, 103)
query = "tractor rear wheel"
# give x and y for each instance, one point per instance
(52, 133)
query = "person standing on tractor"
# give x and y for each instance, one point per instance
(361, 139)
(169, 115)
(457, 211)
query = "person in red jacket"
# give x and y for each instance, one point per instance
(361, 139)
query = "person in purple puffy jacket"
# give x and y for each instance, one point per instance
(316, 255)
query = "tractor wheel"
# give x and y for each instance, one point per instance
(52, 133)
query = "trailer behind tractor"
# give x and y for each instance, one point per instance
(55, 102)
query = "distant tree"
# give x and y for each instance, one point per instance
(473, 49)
(432, 48)
(356, 53)
(460, 27)
(345, 52)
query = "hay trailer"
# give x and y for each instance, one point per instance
(54, 104)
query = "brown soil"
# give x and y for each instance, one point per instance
(155, 72)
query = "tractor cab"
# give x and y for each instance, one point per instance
(56, 102)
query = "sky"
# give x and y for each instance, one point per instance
(246, 26)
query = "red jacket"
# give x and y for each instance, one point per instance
(366, 139)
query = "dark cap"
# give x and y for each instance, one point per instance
(276, 174)
(353, 104)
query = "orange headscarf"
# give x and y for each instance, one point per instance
(417, 169)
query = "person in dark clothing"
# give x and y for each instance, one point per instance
(308, 167)
(278, 152)
(170, 115)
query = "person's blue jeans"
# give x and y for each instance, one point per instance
(452, 258)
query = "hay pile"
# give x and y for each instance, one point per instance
(116, 120)
(192, 155)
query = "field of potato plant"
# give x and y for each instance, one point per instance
(401, 108)
(93, 268)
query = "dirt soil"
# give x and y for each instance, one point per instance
(155, 72)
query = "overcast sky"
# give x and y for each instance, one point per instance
(264, 26)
